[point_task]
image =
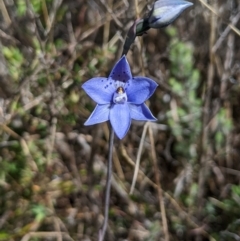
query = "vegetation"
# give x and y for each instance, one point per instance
(53, 169)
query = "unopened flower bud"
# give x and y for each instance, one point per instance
(164, 12)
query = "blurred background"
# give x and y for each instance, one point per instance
(53, 169)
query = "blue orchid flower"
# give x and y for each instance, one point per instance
(120, 98)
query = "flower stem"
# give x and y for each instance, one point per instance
(102, 231)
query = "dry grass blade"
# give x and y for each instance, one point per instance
(138, 157)
(158, 183)
(236, 30)
(4, 11)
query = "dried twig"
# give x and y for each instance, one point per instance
(224, 34)
(51, 140)
(30, 235)
(212, 9)
(24, 145)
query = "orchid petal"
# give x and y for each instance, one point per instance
(120, 119)
(120, 98)
(99, 115)
(141, 113)
(100, 89)
(121, 71)
(140, 89)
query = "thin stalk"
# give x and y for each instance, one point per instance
(102, 231)
(159, 187)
